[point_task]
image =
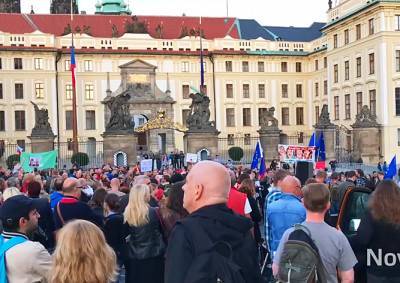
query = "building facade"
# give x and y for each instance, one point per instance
(350, 61)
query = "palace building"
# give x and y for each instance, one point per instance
(351, 60)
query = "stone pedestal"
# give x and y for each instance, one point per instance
(120, 143)
(329, 139)
(269, 140)
(366, 144)
(194, 142)
(41, 143)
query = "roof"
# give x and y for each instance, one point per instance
(251, 29)
(299, 34)
(15, 23)
(101, 25)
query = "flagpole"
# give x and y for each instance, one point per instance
(201, 61)
(74, 108)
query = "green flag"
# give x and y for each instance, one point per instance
(41, 161)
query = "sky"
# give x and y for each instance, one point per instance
(266, 12)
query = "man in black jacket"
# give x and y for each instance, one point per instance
(70, 207)
(205, 196)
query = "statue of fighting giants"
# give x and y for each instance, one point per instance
(199, 118)
(120, 119)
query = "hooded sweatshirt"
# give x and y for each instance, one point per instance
(220, 224)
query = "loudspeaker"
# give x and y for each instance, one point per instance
(304, 170)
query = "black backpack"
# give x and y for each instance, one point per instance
(300, 261)
(212, 262)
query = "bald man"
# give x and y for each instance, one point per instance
(285, 212)
(115, 185)
(210, 222)
(70, 207)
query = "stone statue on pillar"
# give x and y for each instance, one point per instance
(42, 136)
(269, 134)
(365, 119)
(42, 126)
(202, 133)
(120, 119)
(324, 120)
(268, 121)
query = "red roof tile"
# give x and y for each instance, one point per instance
(101, 25)
(15, 23)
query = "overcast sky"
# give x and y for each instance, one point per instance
(267, 12)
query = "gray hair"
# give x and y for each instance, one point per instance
(13, 182)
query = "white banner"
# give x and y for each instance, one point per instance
(191, 158)
(146, 165)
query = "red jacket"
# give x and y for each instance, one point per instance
(237, 201)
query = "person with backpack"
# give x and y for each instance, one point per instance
(21, 260)
(212, 244)
(314, 251)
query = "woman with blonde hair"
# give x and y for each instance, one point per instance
(144, 246)
(379, 232)
(82, 255)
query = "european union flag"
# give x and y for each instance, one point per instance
(392, 170)
(256, 156)
(321, 148)
(263, 168)
(312, 140)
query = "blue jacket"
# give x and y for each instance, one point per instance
(282, 215)
(55, 197)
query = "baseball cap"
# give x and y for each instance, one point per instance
(15, 208)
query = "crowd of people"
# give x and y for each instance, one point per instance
(203, 223)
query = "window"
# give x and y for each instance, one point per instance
(299, 116)
(39, 90)
(228, 66)
(371, 27)
(1, 64)
(397, 100)
(335, 73)
(246, 91)
(285, 92)
(261, 113)
(298, 67)
(68, 120)
(185, 67)
(1, 91)
(359, 96)
(316, 114)
(68, 92)
(89, 92)
(247, 139)
(245, 66)
(346, 70)
(347, 106)
(67, 65)
(18, 63)
(398, 137)
(299, 90)
(231, 139)
(20, 120)
(325, 62)
(205, 66)
(88, 65)
(246, 117)
(335, 41)
(358, 67)
(185, 116)
(316, 65)
(90, 120)
(325, 87)
(372, 101)
(261, 90)
(358, 31)
(336, 105)
(19, 91)
(185, 91)
(284, 67)
(346, 37)
(229, 91)
(397, 17)
(261, 66)
(397, 60)
(371, 63)
(2, 121)
(316, 89)
(38, 63)
(285, 116)
(230, 117)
